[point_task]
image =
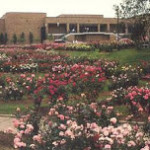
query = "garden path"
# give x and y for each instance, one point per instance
(6, 122)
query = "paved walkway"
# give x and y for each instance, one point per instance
(5, 123)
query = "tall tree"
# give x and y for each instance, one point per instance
(22, 37)
(31, 37)
(137, 13)
(43, 34)
(1, 38)
(14, 39)
(5, 38)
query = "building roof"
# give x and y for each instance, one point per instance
(25, 13)
(79, 16)
(3, 17)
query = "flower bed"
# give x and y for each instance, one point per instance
(79, 127)
(77, 119)
(109, 47)
(136, 98)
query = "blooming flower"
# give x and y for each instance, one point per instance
(113, 120)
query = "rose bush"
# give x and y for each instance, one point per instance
(125, 76)
(136, 98)
(79, 127)
(76, 119)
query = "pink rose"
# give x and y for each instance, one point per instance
(16, 123)
(37, 138)
(113, 120)
(107, 146)
(29, 129)
(61, 117)
(33, 75)
(131, 143)
(60, 98)
(145, 97)
(149, 119)
(62, 127)
(61, 133)
(94, 125)
(93, 106)
(22, 75)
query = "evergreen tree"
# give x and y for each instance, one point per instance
(14, 39)
(43, 34)
(31, 38)
(5, 38)
(22, 38)
(1, 38)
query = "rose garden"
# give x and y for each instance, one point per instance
(76, 96)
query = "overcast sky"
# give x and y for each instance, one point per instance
(57, 7)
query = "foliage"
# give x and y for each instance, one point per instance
(5, 38)
(137, 12)
(145, 65)
(43, 34)
(136, 98)
(125, 76)
(1, 38)
(139, 100)
(14, 39)
(50, 37)
(78, 127)
(22, 38)
(31, 38)
(74, 118)
(79, 47)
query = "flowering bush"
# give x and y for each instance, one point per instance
(126, 41)
(63, 124)
(75, 120)
(79, 47)
(82, 127)
(138, 98)
(9, 90)
(63, 76)
(61, 46)
(3, 58)
(118, 96)
(145, 65)
(125, 76)
(109, 67)
(109, 47)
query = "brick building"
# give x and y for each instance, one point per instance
(76, 27)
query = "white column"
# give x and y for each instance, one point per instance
(78, 28)
(126, 29)
(46, 27)
(99, 28)
(108, 27)
(68, 27)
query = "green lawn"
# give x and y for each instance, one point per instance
(11, 106)
(126, 56)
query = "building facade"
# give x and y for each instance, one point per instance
(36, 23)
